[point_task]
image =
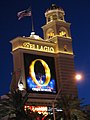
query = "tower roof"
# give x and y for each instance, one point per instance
(54, 13)
(54, 7)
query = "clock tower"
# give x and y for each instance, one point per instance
(57, 31)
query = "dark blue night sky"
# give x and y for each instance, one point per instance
(77, 13)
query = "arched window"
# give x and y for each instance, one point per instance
(63, 32)
(61, 17)
(50, 18)
(54, 17)
(50, 33)
(65, 48)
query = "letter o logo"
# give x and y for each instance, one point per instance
(47, 72)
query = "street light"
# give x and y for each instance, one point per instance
(53, 105)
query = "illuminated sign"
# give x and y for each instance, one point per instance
(37, 108)
(38, 47)
(40, 73)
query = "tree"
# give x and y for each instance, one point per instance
(71, 109)
(12, 106)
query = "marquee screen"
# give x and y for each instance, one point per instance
(40, 73)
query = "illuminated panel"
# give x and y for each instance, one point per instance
(37, 108)
(40, 73)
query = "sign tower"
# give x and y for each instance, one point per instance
(45, 66)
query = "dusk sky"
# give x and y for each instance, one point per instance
(77, 12)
